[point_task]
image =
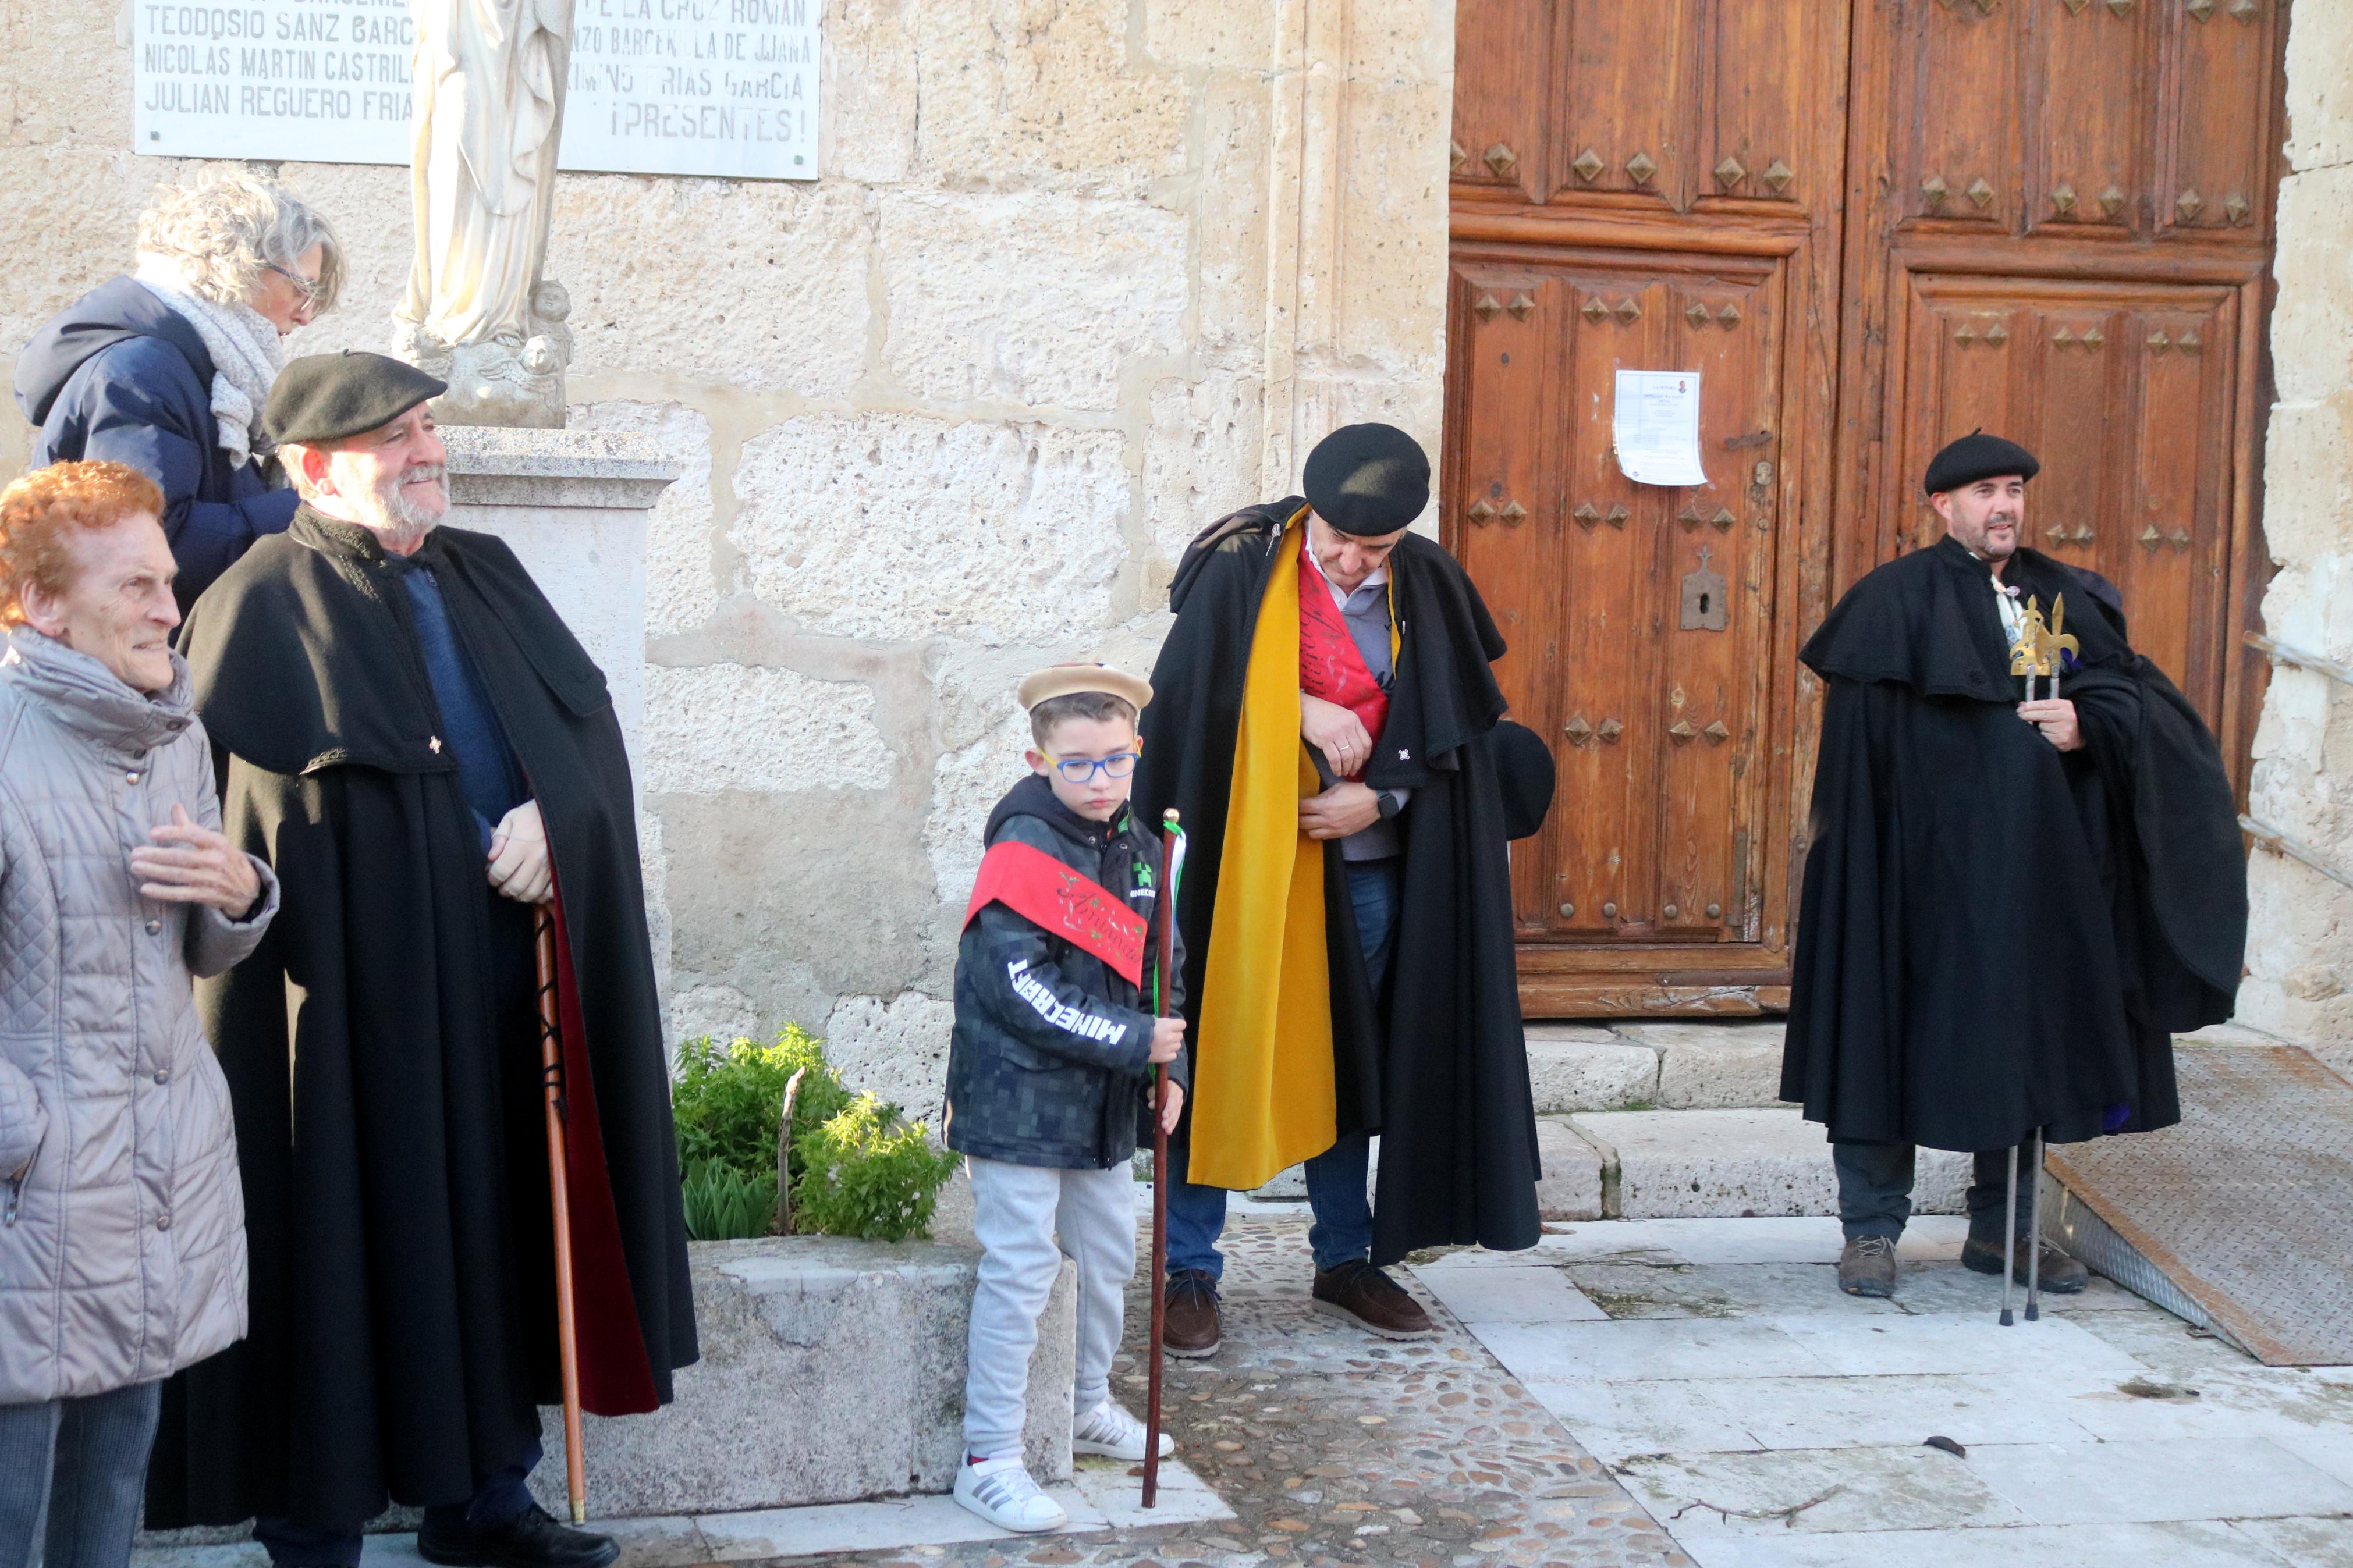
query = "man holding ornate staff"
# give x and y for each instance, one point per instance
(416, 744)
(2011, 906)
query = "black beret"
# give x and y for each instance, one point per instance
(325, 397)
(1978, 456)
(1368, 479)
(1524, 767)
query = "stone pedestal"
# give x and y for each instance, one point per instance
(832, 1370)
(572, 503)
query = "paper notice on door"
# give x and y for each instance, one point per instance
(1655, 428)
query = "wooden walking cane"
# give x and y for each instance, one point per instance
(1172, 859)
(551, 1066)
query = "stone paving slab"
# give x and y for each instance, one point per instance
(1532, 1293)
(1777, 1239)
(2197, 1545)
(1617, 1420)
(1954, 1343)
(1902, 1409)
(2307, 1543)
(2150, 1482)
(1765, 1420)
(1815, 1490)
(1679, 1290)
(1649, 1350)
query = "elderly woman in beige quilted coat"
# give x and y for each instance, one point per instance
(121, 1223)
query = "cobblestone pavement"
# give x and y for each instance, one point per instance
(1333, 1448)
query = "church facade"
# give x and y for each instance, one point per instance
(1078, 277)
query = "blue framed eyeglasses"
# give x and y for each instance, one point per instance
(1081, 770)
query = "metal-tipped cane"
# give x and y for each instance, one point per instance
(2009, 1238)
(1172, 862)
(551, 1065)
(2039, 654)
(2034, 1233)
(2054, 647)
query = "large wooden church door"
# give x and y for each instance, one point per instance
(2063, 216)
(1865, 226)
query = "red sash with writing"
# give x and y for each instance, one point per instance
(1331, 665)
(1076, 907)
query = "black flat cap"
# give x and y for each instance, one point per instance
(1368, 479)
(325, 397)
(1523, 768)
(1978, 456)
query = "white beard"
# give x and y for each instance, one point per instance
(396, 520)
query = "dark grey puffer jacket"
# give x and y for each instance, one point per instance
(1049, 1060)
(121, 1219)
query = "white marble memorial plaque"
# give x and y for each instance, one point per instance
(726, 88)
(272, 79)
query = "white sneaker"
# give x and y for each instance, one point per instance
(1112, 1432)
(1001, 1492)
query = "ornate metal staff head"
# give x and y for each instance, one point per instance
(2056, 642)
(2027, 655)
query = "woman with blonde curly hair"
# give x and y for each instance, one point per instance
(168, 370)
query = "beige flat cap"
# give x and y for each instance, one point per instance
(1066, 679)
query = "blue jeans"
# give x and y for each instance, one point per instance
(501, 1499)
(1343, 1227)
(72, 1475)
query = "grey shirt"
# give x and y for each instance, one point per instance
(1366, 611)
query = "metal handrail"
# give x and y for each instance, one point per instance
(2301, 660)
(2272, 839)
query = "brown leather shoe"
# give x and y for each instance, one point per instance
(1370, 1300)
(2061, 1275)
(1867, 1266)
(1191, 1327)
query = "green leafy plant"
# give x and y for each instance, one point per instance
(870, 1174)
(856, 1168)
(722, 1205)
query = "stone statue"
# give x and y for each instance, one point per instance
(490, 80)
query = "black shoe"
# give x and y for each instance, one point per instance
(1867, 1266)
(2061, 1275)
(531, 1539)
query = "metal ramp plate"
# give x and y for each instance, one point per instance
(2237, 1218)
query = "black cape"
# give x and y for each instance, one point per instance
(388, 1118)
(1441, 1070)
(1994, 936)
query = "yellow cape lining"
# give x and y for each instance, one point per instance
(1263, 1097)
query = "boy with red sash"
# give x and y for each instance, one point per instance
(1049, 1074)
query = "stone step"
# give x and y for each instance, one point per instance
(1714, 1064)
(1707, 1164)
(1639, 1065)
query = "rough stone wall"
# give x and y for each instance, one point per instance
(2300, 981)
(1080, 275)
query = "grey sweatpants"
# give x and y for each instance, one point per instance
(1019, 1212)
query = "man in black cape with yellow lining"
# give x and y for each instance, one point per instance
(2010, 907)
(1328, 728)
(425, 755)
